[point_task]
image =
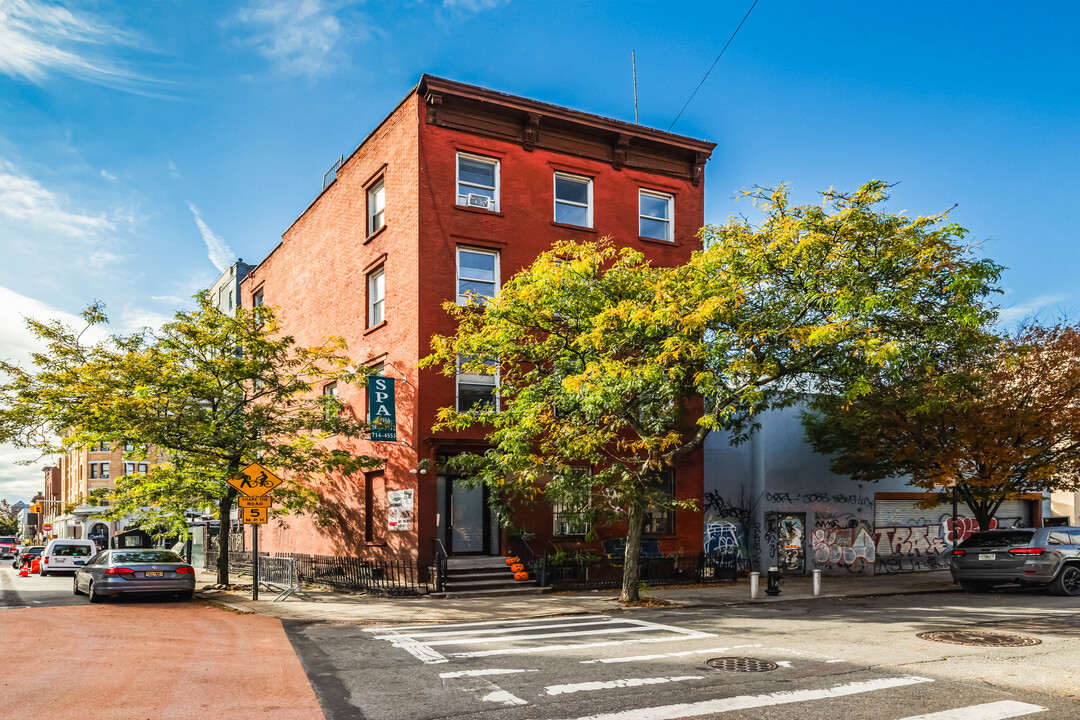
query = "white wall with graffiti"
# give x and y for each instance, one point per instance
(774, 501)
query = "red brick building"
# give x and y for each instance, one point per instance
(456, 190)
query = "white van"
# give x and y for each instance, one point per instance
(66, 555)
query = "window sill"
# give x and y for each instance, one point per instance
(373, 328)
(482, 211)
(654, 241)
(375, 234)
(580, 228)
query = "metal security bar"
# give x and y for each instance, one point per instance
(278, 574)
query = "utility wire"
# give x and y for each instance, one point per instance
(712, 66)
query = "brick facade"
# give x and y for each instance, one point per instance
(317, 278)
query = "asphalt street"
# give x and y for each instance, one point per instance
(808, 659)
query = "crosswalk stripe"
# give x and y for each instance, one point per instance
(988, 711)
(746, 702)
(518, 629)
(577, 646)
(481, 623)
(511, 638)
(657, 656)
(614, 684)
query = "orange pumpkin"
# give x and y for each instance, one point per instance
(521, 576)
(512, 560)
(517, 567)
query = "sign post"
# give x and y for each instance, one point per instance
(381, 410)
(255, 483)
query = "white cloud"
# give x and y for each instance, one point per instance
(40, 38)
(1022, 310)
(473, 5)
(300, 36)
(26, 200)
(219, 253)
(174, 171)
(107, 175)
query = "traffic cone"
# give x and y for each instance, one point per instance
(24, 572)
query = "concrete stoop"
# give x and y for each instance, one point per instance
(484, 577)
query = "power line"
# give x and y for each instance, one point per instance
(713, 65)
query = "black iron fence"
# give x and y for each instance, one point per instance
(603, 573)
(386, 577)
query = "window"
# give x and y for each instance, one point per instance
(475, 389)
(477, 182)
(103, 471)
(654, 215)
(230, 300)
(658, 520)
(573, 200)
(376, 292)
(330, 390)
(257, 298)
(93, 471)
(478, 275)
(131, 468)
(128, 447)
(222, 298)
(570, 513)
(376, 206)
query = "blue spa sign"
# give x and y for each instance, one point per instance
(381, 412)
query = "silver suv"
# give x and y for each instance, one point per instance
(1047, 557)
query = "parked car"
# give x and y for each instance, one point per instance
(26, 555)
(8, 545)
(66, 555)
(111, 573)
(1047, 557)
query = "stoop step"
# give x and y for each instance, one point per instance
(527, 590)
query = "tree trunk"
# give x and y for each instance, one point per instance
(632, 561)
(224, 530)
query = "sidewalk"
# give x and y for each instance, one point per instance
(323, 605)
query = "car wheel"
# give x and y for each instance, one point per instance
(43, 573)
(974, 587)
(1068, 582)
(75, 586)
(94, 596)
(186, 595)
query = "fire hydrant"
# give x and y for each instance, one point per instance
(773, 578)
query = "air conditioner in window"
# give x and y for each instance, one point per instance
(480, 201)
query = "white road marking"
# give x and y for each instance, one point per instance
(544, 636)
(636, 658)
(519, 629)
(504, 698)
(746, 702)
(612, 684)
(578, 646)
(784, 663)
(803, 653)
(988, 711)
(479, 673)
(417, 649)
(429, 626)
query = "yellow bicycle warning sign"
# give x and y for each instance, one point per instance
(255, 481)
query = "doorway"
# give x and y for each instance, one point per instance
(468, 526)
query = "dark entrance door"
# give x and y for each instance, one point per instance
(469, 527)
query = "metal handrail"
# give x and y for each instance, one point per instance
(438, 560)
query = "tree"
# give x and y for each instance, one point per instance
(605, 360)
(212, 391)
(9, 519)
(1000, 421)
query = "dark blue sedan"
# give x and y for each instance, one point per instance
(112, 573)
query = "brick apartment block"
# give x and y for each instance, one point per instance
(461, 187)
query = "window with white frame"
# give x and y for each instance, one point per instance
(99, 470)
(131, 468)
(376, 289)
(571, 511)
(476, 387)
(573, 200)
(655, 212)
(661, 520)
(257, 299)
(376, 206)
(477, 182)
(330, 390)
(477, 275)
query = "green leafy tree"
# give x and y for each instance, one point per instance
(990, 425)
(9, 519)
(606, 360)
(212, 391)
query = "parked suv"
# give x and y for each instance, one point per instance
(1047, 557)
(8, 544)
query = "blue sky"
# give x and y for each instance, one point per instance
(141, 143)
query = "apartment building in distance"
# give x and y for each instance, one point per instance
(458, 188)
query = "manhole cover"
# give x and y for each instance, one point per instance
(978, 637)
(741, 664)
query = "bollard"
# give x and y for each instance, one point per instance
(773, 585)
(817, 583)
(753, 585)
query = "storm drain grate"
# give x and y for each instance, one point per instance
(978, 637)
(741, 664)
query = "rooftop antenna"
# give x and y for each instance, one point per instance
(633, 61)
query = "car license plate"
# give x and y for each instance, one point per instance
(154, 573)
(987, 556)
